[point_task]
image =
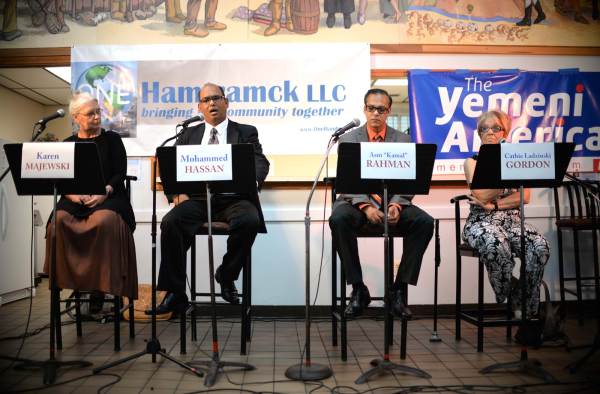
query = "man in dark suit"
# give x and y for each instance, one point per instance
(242, 212)
(352, 212)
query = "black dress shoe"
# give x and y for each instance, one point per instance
(359, 300)
(228, 290)
(173, 302)
(399, 308)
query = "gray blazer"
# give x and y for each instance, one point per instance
(360, 135)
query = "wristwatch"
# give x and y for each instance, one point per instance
(495, 204)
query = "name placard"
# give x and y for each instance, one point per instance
(48, 160)
(527, 161)
(388, 160)
(204, 163)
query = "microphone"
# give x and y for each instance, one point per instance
(185, 123)
(58, 114)
(355, 122)
(502, 140)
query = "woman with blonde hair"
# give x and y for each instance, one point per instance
(493, 227)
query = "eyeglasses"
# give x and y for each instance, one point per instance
(208, 99)
(373, 108)
(495, 129)
(92, 113)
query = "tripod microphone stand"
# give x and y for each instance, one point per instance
(488, 175)
(214, 365)
(153, 346)
(86, 155)
(384, 365)
(353, 177)
(524, 364)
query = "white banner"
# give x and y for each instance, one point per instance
(295, 94)
(388, 160)
(527, 161)
(52, 160)
(203, 162)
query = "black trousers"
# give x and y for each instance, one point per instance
(415, 226)
(178, 229)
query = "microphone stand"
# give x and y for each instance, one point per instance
(309, 370)
(153, 346)
(34, 137)
(524, 365)
(51, 366)
(215, 364)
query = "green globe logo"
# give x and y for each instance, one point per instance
(115, 88)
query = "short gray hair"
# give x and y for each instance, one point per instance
(500, 117)
(78, 100)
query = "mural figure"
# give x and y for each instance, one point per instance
(423, 21)
(463, 20)
(121, 10)
(192, 28)
(147, 9)
(49, 13)
(566, 7)
(276, 7)
(346, 7)
(526, 21)
(173, 13)
(9, 23)
(92, 12)
(393, 10)
(88, 13)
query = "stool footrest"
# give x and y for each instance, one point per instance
(489, 322)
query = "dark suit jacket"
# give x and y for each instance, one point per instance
(237, 133)
(360, 135)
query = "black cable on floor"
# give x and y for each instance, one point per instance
(35, 332)
(45, 387)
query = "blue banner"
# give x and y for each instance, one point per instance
(562, 106)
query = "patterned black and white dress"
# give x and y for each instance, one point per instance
(496, 236)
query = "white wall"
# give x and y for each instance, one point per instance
(279, 257)
(16, 113)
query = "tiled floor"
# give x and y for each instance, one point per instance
(275, 346)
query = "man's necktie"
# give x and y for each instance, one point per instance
(376, 199)
(213, 137)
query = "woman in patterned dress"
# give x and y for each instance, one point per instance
(493, 227)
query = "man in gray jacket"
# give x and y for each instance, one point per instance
(352, 212)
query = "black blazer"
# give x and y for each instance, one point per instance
(237, 133)
(360, 134)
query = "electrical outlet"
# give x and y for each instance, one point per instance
(37, 218)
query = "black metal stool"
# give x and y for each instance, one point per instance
(582, 217)
(480, 317)
(117, 307)
(338, 303)
(218, 228)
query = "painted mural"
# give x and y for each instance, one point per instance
(54, 23)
